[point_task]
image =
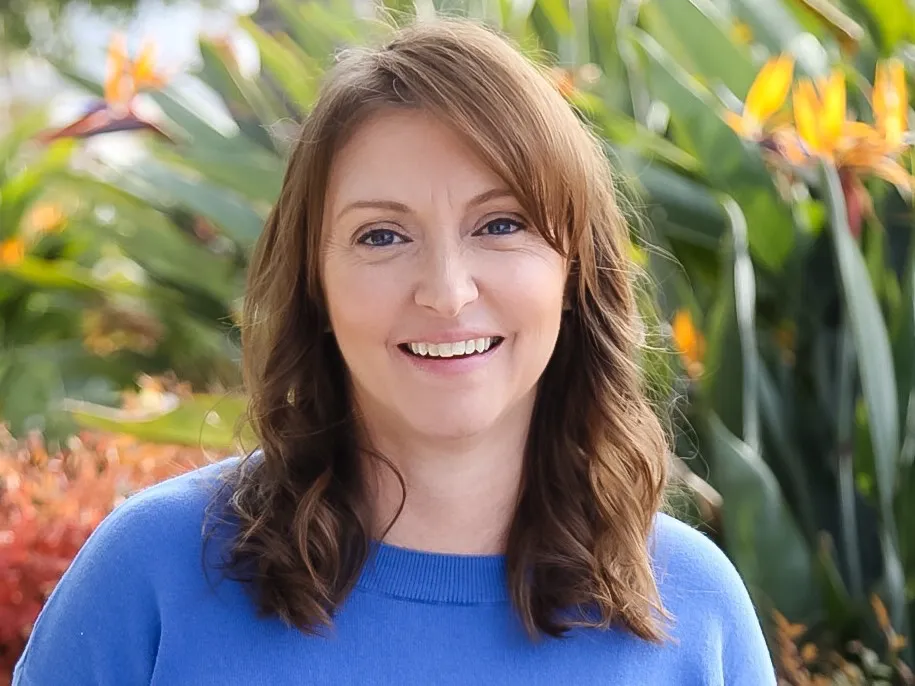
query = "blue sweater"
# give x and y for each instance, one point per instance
(135, 607)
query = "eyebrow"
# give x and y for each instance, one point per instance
(400, 208)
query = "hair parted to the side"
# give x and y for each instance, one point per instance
(596, 460)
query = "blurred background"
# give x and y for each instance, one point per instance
(763, 153)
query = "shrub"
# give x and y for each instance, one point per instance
(51, 500)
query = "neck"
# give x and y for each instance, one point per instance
(461, 493)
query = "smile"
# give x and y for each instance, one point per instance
(473, 346)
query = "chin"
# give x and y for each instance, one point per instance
(452, 423)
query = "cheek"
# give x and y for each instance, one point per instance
(362, 304)
(529, 288)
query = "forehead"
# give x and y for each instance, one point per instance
(403, 154)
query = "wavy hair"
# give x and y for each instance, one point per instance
(595, 464)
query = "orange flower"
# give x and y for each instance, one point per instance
(45, 218)
(819, 114)
(766, 96)
(564, 81)
(823, 131)
(689, 342)
(12, 251)
(125, 78)
(891, 102)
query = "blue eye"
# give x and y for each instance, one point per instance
(501, 227)
(380, 238)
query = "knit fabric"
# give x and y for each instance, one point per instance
(136, 607)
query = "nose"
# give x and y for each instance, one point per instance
(446, 283)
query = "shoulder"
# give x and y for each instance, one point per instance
(710, 607)
(167, 509)
(681, 552)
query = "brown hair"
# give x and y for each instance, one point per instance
(596, 460)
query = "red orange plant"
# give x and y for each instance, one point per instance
(50, 501)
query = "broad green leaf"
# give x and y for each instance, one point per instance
(893, 19)
(295, 71)
(203, 420)
(761, 535)
(621, 130)
(904, 357)
(194, 124)
(557, 12)
(776, 423)
(156, 183)
(64, 275)
(674, 204)
(695, 33)
(25, 186)
(725, 160)
(878, 381)
(322, 28)
(21, 130)
(248, 103)
(875, 361)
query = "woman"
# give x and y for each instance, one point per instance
(459, 478)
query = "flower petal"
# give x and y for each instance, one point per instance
(688, 340)
(890, 101)
(118, 85)
(12, 251)
(739, 124)
(789, 144)
(806, 113)
(832, 116)
(144, 68)
(770, 88)
(892, 171)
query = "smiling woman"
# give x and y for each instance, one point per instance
(457, 465)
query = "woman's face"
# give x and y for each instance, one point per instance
(444, 301)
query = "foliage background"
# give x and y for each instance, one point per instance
(777, 234)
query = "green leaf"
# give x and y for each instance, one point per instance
(775, 26)
(621, 130)
(23, 187)
(760, 533)
(733, 357)
(203, 420)
(64, 275)
(295, 71)
(557, 13)
(875, 361)
(878, 381)
(677, 206)
(893, 19)
(156, 183)
(904, 356)
(321, 28)
(727, 163)
(248, 103)
(257, 175)
(695, 33)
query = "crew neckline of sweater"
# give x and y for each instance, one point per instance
(434, 577)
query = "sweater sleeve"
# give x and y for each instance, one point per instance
(100, 625)
(723, 627)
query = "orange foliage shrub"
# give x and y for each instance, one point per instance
(50, 503)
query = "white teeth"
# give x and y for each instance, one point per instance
(455, 349)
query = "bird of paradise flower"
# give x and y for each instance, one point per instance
(822, 131)
(124, 79)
